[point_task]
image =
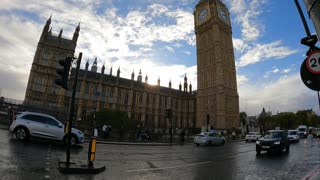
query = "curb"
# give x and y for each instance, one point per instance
(132, 143)
(147, 143)
(72, 168)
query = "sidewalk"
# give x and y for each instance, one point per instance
(152, 143)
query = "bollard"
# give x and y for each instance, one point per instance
(92, 151)
(66, 128)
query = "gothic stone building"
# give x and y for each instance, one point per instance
(142, 101)
(215, 103)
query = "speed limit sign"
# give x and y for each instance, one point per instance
(313, 62)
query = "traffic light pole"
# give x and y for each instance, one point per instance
(170, 119)
(72, 109)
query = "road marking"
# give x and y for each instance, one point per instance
(312, 173)
(47, 176)
(170, 167)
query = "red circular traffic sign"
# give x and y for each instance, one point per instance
(313, 62)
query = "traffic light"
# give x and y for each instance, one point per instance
(64, 73)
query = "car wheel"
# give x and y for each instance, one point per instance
(288, 148)
(197, 144)
(22, 133)
(246, 140)
(73, 139)
(258, 151)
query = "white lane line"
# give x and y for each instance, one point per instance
(312, 173)
(47, 176)
(170, 167)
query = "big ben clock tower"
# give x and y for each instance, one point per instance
(217, 96)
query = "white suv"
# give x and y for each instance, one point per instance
(252, 136)
(41, 125)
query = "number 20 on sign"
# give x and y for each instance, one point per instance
(313, 62)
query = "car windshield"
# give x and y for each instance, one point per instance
(292, 132)
(251, 133)
(274, 134)
(302, 129)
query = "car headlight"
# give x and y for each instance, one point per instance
(277, 142)
(257, 142)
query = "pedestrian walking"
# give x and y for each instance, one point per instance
(233, 135)
(95, 132)
(104, 131)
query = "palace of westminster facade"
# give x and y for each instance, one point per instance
(215, 102)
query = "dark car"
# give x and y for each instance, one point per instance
(273, 141)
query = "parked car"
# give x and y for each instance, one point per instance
(293, 136)
(32, 124)
(316, 133)
(209, 138)
(252, 136)
(273, 141)
(303, 131)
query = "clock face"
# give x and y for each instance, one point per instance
(203, 14)
(223, 15)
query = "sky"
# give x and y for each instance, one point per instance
(157, 37)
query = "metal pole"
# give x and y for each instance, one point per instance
(318, 98)
(72, 108)
(303, 18)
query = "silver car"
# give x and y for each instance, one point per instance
(208, 138)
(293, 136)
(32, 124)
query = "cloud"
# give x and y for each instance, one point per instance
(275, 70)
(287, 94)
(241, 79)
(239, 45)
(262, 52)
(170, 49)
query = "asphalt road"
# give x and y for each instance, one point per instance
(39, 160)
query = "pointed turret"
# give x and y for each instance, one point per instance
(185, 85)
(60, 34)
(76, 34)
(170, 84)
(118, 72)
(158, 81)
(111, 71)
(146, 79)
(87, 65)
(102, 69)
(94, 66)
(45, 30)
(180, 86)
(190, 87)
(139, 76)
(132, 75)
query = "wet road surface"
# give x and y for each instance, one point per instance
(237, 160)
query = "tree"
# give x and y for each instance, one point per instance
(302, 117)
(243, 117)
